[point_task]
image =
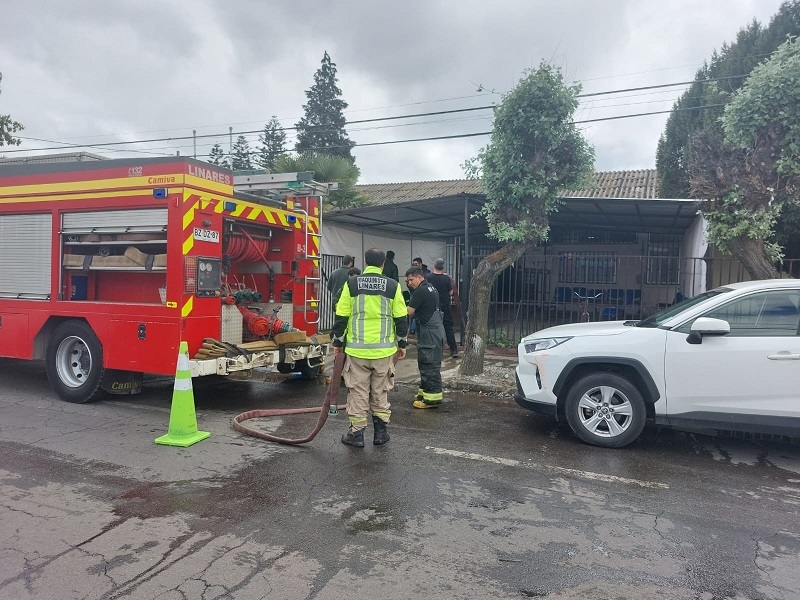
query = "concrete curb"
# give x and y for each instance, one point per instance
(497, 379)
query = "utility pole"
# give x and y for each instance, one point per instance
(194, 143)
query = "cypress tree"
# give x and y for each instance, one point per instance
(322, 127)
(273, 144)
(240, 155)
(753, 45)
(217, 156)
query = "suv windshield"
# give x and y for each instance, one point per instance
(664, 315)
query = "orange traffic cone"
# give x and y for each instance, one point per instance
(182, 418)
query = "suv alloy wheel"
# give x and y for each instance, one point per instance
(605, 409)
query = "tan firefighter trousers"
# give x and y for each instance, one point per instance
(368, 382)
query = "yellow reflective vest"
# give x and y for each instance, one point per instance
(372, 313)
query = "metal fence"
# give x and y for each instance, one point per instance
(328, 263)
(542, 291)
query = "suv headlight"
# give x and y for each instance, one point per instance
(544, 344)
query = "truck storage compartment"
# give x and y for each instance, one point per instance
(25, 255)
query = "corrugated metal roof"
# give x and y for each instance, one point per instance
(51, 158)
(395, 193)
(639, 184)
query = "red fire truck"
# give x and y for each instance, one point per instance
(106, 266)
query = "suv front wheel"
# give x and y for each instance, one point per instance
(605, 409)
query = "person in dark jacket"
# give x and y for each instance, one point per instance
(338, 277)
(389, 268)
(443, 285)
(424, 307)
(417, 262)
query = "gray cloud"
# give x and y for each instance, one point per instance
(93, 71)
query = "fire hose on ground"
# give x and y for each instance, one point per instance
(330, 400)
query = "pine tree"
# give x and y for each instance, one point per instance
(217, 156)
(273, 144)
(240, 155)
(322, 127)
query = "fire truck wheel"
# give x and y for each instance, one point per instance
(308, 372)
(74, 362)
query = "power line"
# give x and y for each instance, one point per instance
(360, 121)
(466, 135)
(483, 133)
(463, 119)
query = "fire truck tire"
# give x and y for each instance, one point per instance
(307, 372)
(74, 362)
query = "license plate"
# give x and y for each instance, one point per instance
(206, 235)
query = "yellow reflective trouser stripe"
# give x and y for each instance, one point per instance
(431, 396)
(357, 420)
(383, 416)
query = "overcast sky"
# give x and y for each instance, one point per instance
(98, 71)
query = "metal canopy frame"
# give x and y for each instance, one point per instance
(451, 216)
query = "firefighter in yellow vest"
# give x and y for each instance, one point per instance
(370, 328)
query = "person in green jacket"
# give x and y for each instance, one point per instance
(370, 328)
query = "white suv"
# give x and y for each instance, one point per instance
(728, 359)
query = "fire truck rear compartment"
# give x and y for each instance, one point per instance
(103, 275)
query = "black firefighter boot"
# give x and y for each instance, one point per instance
(381, 433)
(354, 439)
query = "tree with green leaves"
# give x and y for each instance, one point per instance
(240, 155)
(327, 169)
(217, 156)
(749, 174)
(273, 144)
(535, 152)
(702, 105)
(7, 128)
(321, 129)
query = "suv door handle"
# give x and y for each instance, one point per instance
(783, 355)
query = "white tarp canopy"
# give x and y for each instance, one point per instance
(341, 239)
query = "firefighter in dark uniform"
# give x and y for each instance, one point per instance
(424, 306)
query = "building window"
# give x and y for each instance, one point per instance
(587, 267)
(663, 258)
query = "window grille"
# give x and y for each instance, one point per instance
(663, 258)
(587, 267)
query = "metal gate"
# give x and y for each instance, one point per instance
(328, 263)
(544, 291)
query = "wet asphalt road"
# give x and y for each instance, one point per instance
(478, 499)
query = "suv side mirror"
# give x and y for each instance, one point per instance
(703, 326)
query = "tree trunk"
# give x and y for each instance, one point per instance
(753, 257)
(478, 310)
